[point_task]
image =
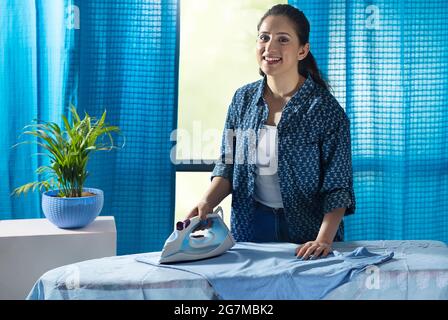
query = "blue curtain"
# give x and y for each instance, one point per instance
(121, 56)
(33, 74)
(387, 62)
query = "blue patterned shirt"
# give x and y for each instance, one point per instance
(314, 159)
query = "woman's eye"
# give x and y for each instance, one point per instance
(284, 40)
(263, 37)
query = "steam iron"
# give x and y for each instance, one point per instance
(187, 243)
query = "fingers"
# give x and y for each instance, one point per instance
(200, 210)
(192, 213)
(203, 213)
(312, 250)
(318, 252)
(326, 252)
(303, 248)
(205, 223)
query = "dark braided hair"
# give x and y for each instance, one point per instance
(307, 66)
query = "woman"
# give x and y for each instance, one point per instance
(286, 154)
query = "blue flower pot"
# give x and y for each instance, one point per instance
(69, 213)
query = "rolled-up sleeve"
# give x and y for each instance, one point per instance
(337, 186)
(224, 164)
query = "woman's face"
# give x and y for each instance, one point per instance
(278, 49)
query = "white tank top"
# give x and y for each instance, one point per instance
(267, 187)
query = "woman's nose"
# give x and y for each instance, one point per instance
(269, 46)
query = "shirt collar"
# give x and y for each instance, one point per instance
(301, 95)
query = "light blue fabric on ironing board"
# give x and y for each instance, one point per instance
(269, 271)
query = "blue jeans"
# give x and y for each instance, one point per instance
(270, 224)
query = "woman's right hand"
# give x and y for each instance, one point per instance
(201, 209)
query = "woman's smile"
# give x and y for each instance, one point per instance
(272, 60)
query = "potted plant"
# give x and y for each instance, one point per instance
(66, 202)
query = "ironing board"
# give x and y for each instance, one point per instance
(419, 270)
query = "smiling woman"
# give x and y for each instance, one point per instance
(305, 187)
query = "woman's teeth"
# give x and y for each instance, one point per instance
(270, 60)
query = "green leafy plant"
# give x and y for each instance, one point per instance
(69, 152)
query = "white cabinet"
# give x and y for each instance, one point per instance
(31, 247)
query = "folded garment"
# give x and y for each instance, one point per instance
(272, 271)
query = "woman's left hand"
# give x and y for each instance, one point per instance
(313, 249)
